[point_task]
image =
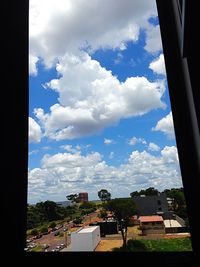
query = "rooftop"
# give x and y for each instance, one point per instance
(87, 229)
(153, 218)
(172, 223)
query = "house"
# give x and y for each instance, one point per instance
(85, 239)
(151, 205)
(152, 224)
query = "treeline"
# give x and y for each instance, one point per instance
(43, 212)
(48, 211)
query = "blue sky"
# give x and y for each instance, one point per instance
(99, 106)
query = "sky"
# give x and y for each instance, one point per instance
(99, 108)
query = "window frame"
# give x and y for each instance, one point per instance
(15, 138)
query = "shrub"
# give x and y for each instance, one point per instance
(44, 230)
(52, 225)
(34, 232)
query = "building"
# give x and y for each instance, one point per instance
(152, 224)
(85, 239)
(151, 205)
(109, 227)
(83, 197)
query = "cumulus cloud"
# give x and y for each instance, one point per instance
(34, 132)
(166, 126)
(65, 173)
(108, 141)
(111, 155)
(153, 147)
(58, 26)
(69, 148)
(153, 39)
(91, 98)
(32, 65)
(158, 65)
(134, 140)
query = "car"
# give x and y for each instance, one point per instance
(57, 233)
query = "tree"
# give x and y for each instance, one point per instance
(103, 214)
(44, 230)
(34, 232)
(104, 195)
(52, 225)
(123, 210)
(73, 198)
(77, 220)
(151, 191)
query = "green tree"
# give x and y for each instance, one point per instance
(44, 230)
(103, 214)
(122, 210)
(52, 225)
(87, 205)
(73, 198)
(34, 232)
(151, 191)
(77, 220)
(104, 195)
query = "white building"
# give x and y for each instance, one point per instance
(85, 239)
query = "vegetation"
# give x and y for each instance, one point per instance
(73, 198)
(104, 195)
(44, 230)
(34, 232)
(179, 203)
(52, 225)
(123, 210)
(161, 245)
(151, 191)
(77, 220)
(103, 214)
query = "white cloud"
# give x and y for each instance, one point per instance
(32, 65)
(153, 147)
(111, 155)
(91, 98)
(158, 65)
(108, 141)
(35, 151)
(65, 173)
(166, 126)
(69, 148)
(134, 140)
(34, 132)
(58, 26)
(153, 39)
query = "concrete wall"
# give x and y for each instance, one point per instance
(153, 231)
(85, 241)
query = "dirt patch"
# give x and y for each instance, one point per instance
(108, 245)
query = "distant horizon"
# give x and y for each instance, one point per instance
(100, 200)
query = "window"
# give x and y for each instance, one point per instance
(19, 195)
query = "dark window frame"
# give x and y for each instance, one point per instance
(180, 74)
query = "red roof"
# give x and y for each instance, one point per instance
(151, 218)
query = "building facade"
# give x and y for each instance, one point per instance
(83, 197)
(151, 205)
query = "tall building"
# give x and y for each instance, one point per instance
(83, 197)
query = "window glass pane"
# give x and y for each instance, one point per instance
(100, 118)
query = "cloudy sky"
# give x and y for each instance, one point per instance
(99, 109)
